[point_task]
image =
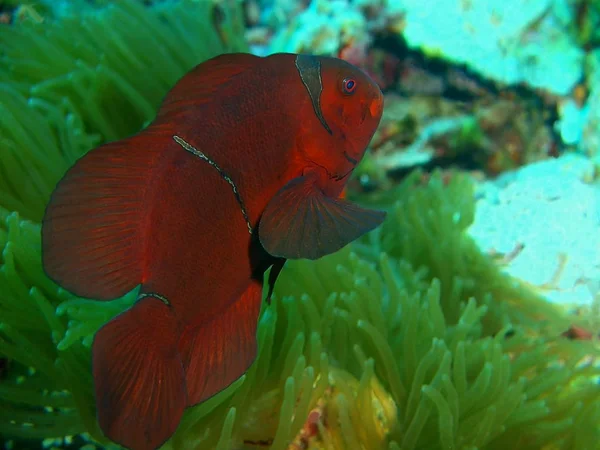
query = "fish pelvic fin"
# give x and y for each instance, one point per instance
(93, 227)
(218, 352)
(276, 269)
(138, 376)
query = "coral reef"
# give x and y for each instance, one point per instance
(563, 262)
(586, 23)
(446, 113)
(589, 110)
(511, 42)
(411, 338)
(323, 28)
(543, 46)
(531, 42)
(437, 125)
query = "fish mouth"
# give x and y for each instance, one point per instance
(376, 106)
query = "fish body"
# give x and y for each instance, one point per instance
(242, 169)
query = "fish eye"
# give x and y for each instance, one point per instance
(348, 86)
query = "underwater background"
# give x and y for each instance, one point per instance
(469, 320)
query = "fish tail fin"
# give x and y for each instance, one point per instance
(92, 238)
(219, 351)
(138, 376)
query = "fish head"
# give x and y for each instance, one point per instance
(348, 105)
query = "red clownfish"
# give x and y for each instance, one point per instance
(242, 169)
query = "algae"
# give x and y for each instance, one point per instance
(410, 338)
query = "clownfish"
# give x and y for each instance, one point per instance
(242, 168)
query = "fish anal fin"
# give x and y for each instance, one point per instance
(92, 234)
(138, 376)
(217, 352)
(300, 221)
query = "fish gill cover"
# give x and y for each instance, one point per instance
(409, 339)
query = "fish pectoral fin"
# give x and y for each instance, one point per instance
(300, 221)
(218, 351)
(138, 376)
(92, 241)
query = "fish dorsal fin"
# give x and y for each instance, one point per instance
(93, 227)
(300, 221)
(199, 85)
